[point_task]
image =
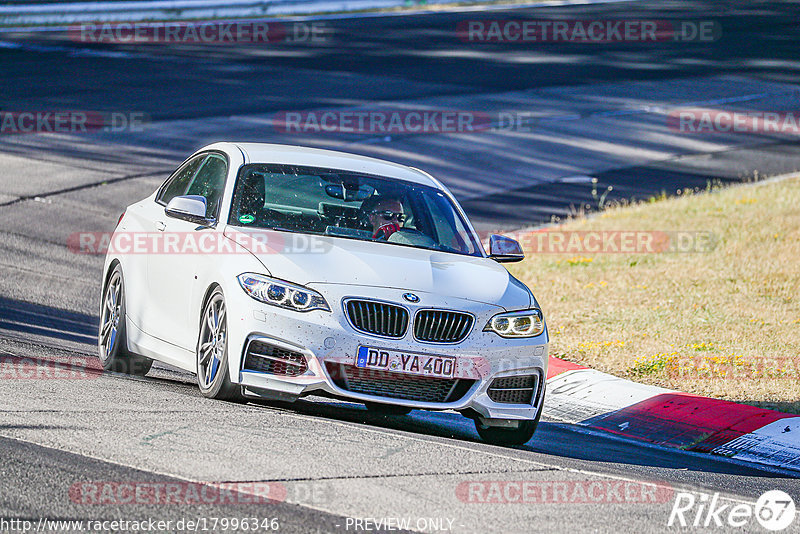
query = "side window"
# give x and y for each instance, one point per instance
(180, 180)
(209, 182)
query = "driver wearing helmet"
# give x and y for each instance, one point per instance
(384, 214)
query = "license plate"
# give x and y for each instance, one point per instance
(406, 362)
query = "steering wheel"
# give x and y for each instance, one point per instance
(412, 236)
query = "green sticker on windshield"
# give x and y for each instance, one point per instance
(246, 219)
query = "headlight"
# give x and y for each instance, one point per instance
(282, 294)
(527, 323)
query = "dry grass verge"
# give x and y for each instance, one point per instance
(723, 323)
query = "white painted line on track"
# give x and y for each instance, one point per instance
(550, 467)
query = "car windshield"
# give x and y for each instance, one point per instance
(349, 205)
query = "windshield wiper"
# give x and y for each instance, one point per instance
(281, 229)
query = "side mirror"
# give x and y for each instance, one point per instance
(190, 208)
(503, 249)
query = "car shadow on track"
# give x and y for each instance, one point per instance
(54, 326)
(39, 320)
(551, 439)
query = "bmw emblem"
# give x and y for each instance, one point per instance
(411, 297)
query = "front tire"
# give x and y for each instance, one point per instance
(510, 436)
(213, 373)
(112, 340)
(507, 436)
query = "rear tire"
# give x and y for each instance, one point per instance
(213, 373)
(112, 339)
(387, 409)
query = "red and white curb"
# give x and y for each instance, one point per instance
(603, 402)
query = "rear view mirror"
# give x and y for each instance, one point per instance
(503, 249)
(346, 187)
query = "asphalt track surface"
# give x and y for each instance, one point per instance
(596, 115)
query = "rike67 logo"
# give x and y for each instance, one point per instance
(774, 510)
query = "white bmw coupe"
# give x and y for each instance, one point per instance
(279, 271)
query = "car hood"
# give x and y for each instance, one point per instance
(314, 260)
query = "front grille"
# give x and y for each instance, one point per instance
(396, 385)
(514, 389)
(377, 318)
(265, 358)
(439, 326)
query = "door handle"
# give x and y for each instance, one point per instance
(160, 226)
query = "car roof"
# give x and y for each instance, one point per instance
(331, 159)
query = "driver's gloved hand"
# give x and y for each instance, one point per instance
(386, 230)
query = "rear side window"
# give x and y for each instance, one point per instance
(180, 180)
(209, 182)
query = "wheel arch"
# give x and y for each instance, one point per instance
(111, 267)
(206, 296)
(107, 276)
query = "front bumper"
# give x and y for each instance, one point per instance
(325, 338)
